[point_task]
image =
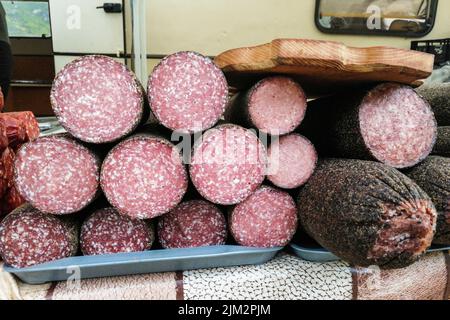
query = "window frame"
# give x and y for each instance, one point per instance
(49, 22)
(407, 34)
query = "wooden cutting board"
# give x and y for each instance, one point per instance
(323, 66)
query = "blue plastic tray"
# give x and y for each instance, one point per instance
(322, 255)
(168, 260)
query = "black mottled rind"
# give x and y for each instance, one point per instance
(433, 176)
(442, 146)
(438, 96)
(341, 207)
(332, 124)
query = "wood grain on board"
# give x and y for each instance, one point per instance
(323, 66)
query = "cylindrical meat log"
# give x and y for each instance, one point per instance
(390, 123)
(275, 105)
(266, 219)
(187, 92)
(106, 231)
(144, 177)
(98, 100)
(292, 160)
(228, 164)
(29, 237)
(192, 224)
(367, 213)
(57, 175)
(442, 146)
(21, 127)
(433, 176)
(438, 95)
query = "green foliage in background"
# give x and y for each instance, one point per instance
(27, 18)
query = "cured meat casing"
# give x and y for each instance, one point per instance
(187, 92)
(192, 224)
(144, 177)
(98, 100)
(56, 174)
(228, 164)
(106, 231)
(367, 213)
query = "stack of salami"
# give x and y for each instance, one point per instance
(16, 128)
(204, 155)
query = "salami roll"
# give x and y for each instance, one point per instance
(57, 175)
(292, 160)
(29, 237)
(367, 213)
(390, 123)
(442, 146)
(275, 105)
(21, 127)
(266, 219)
(433, 176)
(144, 177)
(106, 231)
(7, 168)
(3, 137)
(98, 100)
(187, 92)
(228, 164)
(192, 224)
(438, 95)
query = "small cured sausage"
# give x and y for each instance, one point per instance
(11, 201)
(57, 175)
(192, 224)
(367, 213)
(106, 231)
(268, 218)
(228, 164)
(433, 176)
(29, 237)
(275, 105)
(3, 137)
(390, 123)
(438, 95)
(98, 100)
(144, 177)
(292, 160)
(187, 92)
(21, 127)
(442, 147)
(6, 171)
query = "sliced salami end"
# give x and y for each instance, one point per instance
(397, 125)
(292, 160)
(144, 177)
(188, 92)
(268, 218)
(277, 105)
(228, 164)
(97, 99)
(57, 175)
(29, 237)
(108, 232)
(192, 224)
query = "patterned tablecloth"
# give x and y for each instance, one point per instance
(285, 277)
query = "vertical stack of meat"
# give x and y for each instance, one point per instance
(364, 210)
(16, 128)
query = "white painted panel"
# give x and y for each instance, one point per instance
(78, 27)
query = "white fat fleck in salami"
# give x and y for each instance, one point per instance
(57, 175)
(228, 164)
(192, 224)
(106, 231)
(268, 218)
(188, 92)
(29, 237)
(292, 160)
(97, 99)
(144, 177)
(277, 105)
(397, 125)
